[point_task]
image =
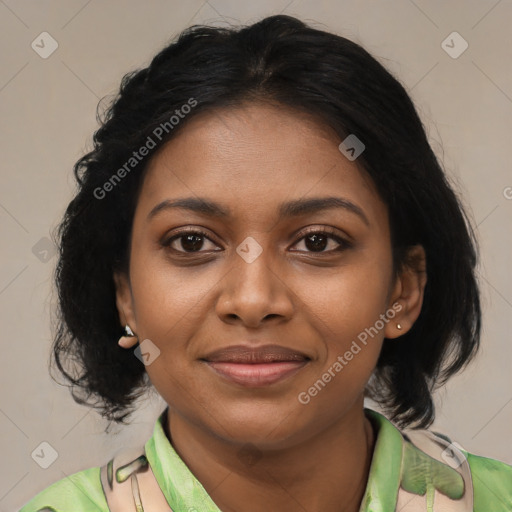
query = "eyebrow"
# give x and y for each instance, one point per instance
(289, 209)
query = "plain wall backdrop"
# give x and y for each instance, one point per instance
(48, 115)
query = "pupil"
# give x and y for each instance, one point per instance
(318, 242)
(191, 242)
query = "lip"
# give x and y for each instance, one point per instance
(257, 375)
(258, 366)
(244, 354)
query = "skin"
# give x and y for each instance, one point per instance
(250, 159)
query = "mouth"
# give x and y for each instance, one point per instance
(256, 367)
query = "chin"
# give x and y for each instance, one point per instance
(262, 428)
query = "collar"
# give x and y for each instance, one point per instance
(386, 466)
(182, 489)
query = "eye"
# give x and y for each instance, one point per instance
(188, 241)
(317, 240)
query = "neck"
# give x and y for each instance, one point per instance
(327, 471)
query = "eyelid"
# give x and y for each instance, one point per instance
(329, 230)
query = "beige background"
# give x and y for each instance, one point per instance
(47, 111)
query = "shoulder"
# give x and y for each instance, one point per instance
(490, 479)
(79, 492)
(492, 483)
(433, 468)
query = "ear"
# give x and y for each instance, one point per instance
(408, 292)
(124, 301)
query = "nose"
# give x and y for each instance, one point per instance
(255, 292)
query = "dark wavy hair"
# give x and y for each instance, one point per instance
(283, 61)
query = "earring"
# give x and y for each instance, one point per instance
(399, 327)
(129, 340)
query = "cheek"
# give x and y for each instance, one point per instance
(171, 306)
(346, 311)
(167, 298)
(351, 299)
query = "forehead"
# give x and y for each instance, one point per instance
(253, 158)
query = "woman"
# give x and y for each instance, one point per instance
(264, 227)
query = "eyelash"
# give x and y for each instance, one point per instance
(330, 232)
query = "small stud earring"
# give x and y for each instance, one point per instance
(399, 327)
(129, 340)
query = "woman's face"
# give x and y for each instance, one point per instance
(258, 276)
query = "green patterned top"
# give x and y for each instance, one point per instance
(402, 477)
